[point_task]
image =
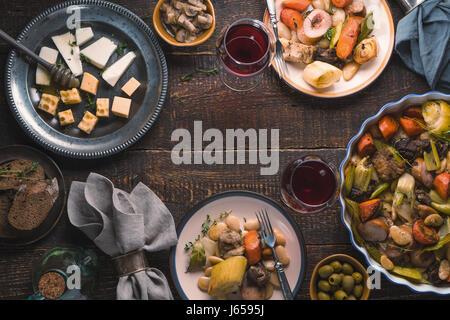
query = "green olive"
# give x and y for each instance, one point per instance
(351, 297)
(325, 271)
(358, 290)
(323, 285)
(357, 276)
(348, 283)
(334, 288)
(335, 279)
(340, 295)
(347, 268)
(337, 266)
(323, 296)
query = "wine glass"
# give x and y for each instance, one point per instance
(309, 184)
(244, 50)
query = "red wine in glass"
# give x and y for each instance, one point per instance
(246, 49)
(309, 184)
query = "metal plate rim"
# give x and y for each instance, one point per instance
(66, 152)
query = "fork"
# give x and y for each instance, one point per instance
(279, 60)
(269, 239)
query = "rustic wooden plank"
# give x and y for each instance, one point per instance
(305, 122)
(17, 283)
(181, 188)
(319, 126)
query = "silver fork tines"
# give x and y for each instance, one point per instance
(269, 240)
(279, 60)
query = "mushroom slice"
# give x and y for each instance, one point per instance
(191, 11)
(185, 22)
(198, 3)
(181, 35)
(204, 21)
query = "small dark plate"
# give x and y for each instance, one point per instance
(110, 135)
(11, 236)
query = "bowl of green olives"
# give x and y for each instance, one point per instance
(339, 277)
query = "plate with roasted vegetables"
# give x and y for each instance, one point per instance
(395, 191)
(221, 255)
(333, 48)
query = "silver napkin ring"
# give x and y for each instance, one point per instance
(130, 263)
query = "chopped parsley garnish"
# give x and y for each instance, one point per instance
(188, 76)
(120, 48)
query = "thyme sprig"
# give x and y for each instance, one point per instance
(206, 225)
(20, 174)
(209, 72)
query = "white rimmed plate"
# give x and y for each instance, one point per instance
(243, 205)
(384, 33)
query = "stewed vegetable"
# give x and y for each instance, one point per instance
(397, 188)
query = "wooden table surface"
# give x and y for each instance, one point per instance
(307, 126)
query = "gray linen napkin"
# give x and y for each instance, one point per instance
(120, 223)
(423, 42)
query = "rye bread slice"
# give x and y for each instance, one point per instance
(16, 165)
(5, 205)
(32, 204)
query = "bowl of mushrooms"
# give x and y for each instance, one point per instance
(184, 23)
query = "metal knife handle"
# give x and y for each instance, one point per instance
(284, 284)
(25, 50)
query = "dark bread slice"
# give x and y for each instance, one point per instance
(32, 204)
(5, 205)
(20, 164)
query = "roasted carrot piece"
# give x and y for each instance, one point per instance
(424, 234)
(388, 127)
(348, 38)
(252, 246)
(368, 209)
(411, 126)
(299, 5)
(341, 3)
(292, 18)
(366, 147)
(414, 112)
(442, 184)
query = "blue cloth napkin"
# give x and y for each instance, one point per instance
(422, 41)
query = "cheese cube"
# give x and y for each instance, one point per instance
(103, 107)
(70, 96)
(89, 83)
(49, 103)
(43, 77)
(87, 124)
(66, 117)
(121, 107)
(99, 52)
(83, 35)
(130, 87)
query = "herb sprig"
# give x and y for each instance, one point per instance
(206, 225)
(20, 174)
(188, 76)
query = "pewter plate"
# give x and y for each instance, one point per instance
(110, 135)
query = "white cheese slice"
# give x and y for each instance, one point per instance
(66, 45)
(83, 35)
(43, 77)
(99, 52)
(118, 68)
